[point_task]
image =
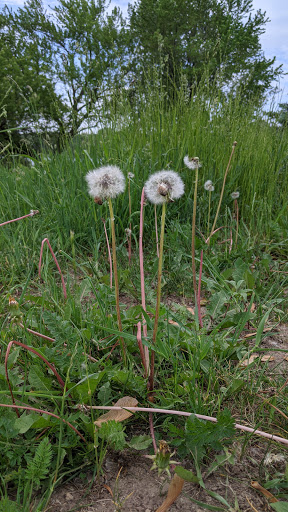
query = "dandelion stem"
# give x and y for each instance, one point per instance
(116, 283)
(109, 254)
(199, 291)
(130, 212)
(209, 211)
(33, 212)
(222, 191)
(193, 235)
(141, 262)
(237, 220)
(160, 264)
(156, 230)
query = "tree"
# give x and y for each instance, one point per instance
(71, 53)
(220, 38)
(21, 88)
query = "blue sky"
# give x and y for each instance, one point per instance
(274, 41)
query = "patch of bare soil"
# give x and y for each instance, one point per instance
(279, 340)
(138, 489)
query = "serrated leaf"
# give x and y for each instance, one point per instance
(140, 442)
(37, 468)
(112, 432)
(7, 505)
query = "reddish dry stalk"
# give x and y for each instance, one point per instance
(140, 346)
(199, 291)
(109, 255)
(37, 333)
(141, 263)
(53, 339)
(272, 437)
(130, 212)
(230, 240)
(152, 432)
(207, 241)
(56, 263)
(28, 408)
(61, 382)
(33, 212)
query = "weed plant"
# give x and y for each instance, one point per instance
(197, 370)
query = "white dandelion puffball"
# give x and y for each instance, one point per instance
(105, 182)
(192, 163)
(235, 195)
(208, 185)
(130, 175)
(164, 186)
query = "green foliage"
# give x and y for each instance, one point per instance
(281, 506)
(200, 435)
(72, 55)
(198, 40)
(7, 505)
(112, 432)
(38, 467)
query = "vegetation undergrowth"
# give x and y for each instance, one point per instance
(95, 360)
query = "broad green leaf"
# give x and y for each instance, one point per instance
(25, 421)
(38, 380)
(140, 442)
(280, 506)
(187, 475)
(104, 393)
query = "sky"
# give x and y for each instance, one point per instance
(274, 42)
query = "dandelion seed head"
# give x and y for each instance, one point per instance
(192, 162)
(128, 232)
(235, 195)
(105, 182)
(163, 186)
(208, 185)
(130, 175)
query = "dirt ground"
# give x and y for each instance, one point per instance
(138, 489)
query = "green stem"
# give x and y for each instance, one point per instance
(222, 192)
(160, 265)
(193, 236)
(116, 283)
(209, 208)
(130, 212)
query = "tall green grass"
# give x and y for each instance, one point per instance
(144, 136)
